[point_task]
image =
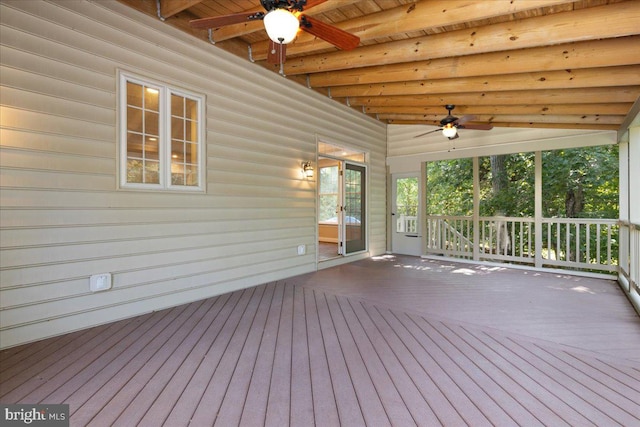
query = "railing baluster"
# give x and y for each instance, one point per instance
(578, 242)
(588, 237)
(609, 227)
(598, 240)
(557, 251)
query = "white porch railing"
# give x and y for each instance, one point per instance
(629, 274)
(576, 243)
(450, 235)
(407, 224)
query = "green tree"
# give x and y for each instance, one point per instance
(580, 182)
(507, 185)
(407, 196)
(450, 187)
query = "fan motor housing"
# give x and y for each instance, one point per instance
(447, 120)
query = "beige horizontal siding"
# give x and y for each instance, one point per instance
(62, 215)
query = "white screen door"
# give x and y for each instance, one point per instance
(405, 236)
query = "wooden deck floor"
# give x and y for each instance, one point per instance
(395, 341)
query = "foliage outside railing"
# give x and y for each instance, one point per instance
(576, 243)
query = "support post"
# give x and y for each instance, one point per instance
(537, 215)
(476, 208)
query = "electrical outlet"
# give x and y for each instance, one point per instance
(302, 249)
(100, 282)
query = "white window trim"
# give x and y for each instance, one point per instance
(164, 133)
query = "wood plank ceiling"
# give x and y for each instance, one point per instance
(511, 63)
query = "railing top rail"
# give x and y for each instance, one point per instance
(507, 218)
(458, 217)
(604, 221)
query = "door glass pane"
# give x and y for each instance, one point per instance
(407, 205)
(354, 218)
(328, 194)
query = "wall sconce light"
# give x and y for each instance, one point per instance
(307, 169)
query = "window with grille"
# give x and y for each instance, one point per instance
(161, 136)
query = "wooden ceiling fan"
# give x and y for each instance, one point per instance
(450, 124)
(282, 20)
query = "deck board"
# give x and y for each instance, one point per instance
(400, 342)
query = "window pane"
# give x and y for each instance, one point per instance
(191, 131)
(177, 105)
(134, 171)
(134, 95)
(184, 152)
(151, 175)
(151, 148)
(134, 145)
(191, 175)
(184, 141)
(152, 123)
(177, 128)
(328, 205)
(151, 99)
(191, 109)
(328, 194)
(177, 178)
(190, 153)
(134, 119)
(329, 179)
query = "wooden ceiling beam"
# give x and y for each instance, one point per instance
(529, 97)
(419, 16)
(552, 109)
(519, 125)
(614, 20)
(426, 15)
(168, 8)
(565, 79)
(515, 118)
(237, 30)
(588, 54)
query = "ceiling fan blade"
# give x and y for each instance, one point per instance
(479, 126)
(465, 119)
(329, 33)
(222, 20)
(277, 53)
(427, 133)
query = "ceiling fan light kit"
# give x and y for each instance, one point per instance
(449, 130)
(281, 25)
(282, 20)
(450, 124)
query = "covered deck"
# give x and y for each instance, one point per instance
(392, 340)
